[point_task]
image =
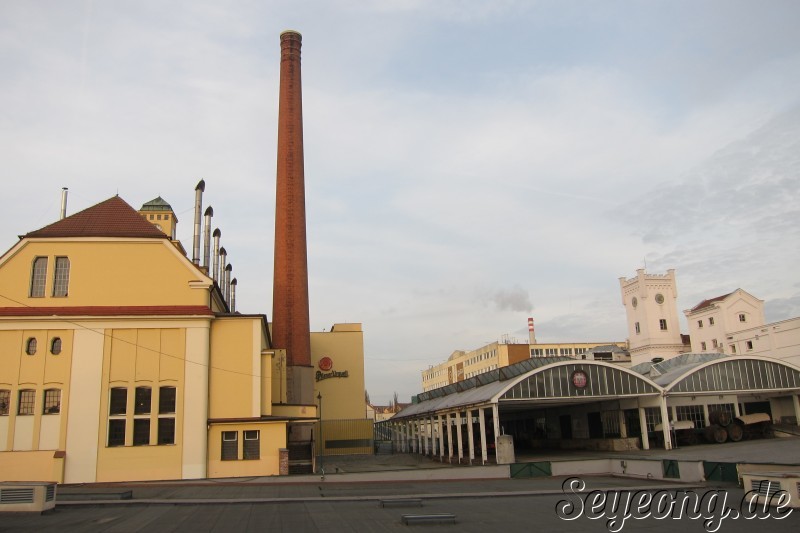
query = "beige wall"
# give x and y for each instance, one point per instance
(725, 317)
(272, 439)
(342, 397)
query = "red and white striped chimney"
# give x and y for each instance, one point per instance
(531, 332)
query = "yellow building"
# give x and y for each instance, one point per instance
(120, 360)
(463, 365)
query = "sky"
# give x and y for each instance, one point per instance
(468, 164)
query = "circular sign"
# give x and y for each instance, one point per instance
(580, 379)
(325, 363)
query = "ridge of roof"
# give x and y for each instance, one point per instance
(708, 302)
(156, 204)
(110, 218)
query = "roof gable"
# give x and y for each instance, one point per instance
(709, 302)
(110, 218)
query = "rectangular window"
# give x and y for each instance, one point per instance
(116, 432)
(703, 346)
(537, 352)
(749, 345)
(579, 351)
(551, 352)
(142, 401)
(714, 343)
(52, 401)
(166, 400)
(61, 277)
(166, 431)
(141, 431)
(742, 318)
(662, 323)
(637, 328)
(119, 401)
(733, 348)
(5, 402)
(230, 445)
(693, 413)
(711, 321)
(252, 445)
(38, 277)
(699, 323)
(566, 351)
(27, 399)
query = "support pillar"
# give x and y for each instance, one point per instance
(449, 438)
(471, 437)
(440, 431)
(496, 421)
(458, 437)
(705, 414)
(482, 426)
(665, 424)
(643, 425)
(796, 405)
(623, 427)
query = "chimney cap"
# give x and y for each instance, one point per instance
(229, 267)
(201, 186)
(222, 251)
(209, 211)
(233, 281)
(288, 33)
(217, 233)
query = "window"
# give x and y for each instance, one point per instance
(141, 404)
(662, 323)
(699, 323)
(52, 401)
(693, 413)
(742, 317)
(141, 431)
(733, 348)
(119, 401)
(151, 217)
(166, 431)
(252, 445)
(166, 217)
(580, 350)
(551, 352)
(715, 343)
(38, 277)
(230, 445)
(749, 345)
(703, 346)
(116, 432)
(166, 400)
(27, 399)
(61, 277)
(637, 328)
(566, 351)
(158, 217)
(5, 402)
(30, 347)
(55, 346)
(711, 321)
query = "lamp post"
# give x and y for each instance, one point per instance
(321, 439)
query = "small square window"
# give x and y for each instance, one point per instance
(141, 431)
(27, 400)
(119, 401)
(711, 321)
(733, 348)
(166, 400)
(116, 432)
(714, 343)
(703, 346)
(52, 401)
(742, 317)
(142, 401)
(749, 345)
(662, 323)
(166, 431)
(699, 323)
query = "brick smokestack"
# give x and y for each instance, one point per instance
(290, 315)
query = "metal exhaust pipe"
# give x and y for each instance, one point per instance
(215, 266)
(223, 257)
(233, 295)
(198, 207)
(64, 191)
(228, 270)
(207, 242)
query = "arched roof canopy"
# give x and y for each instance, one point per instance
(734, 374)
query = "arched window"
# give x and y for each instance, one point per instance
(38, 277)
(30, 347)
(55, 346)
(61, 277)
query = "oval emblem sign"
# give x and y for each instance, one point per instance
(325, 363)
(579, 379)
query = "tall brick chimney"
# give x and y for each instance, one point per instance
(290, 321)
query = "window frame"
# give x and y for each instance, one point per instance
(61, 277)
(51, 406)
(114, 431)
(55, 345)
(5, 402)
(225, 450)
(112, 403)
(38, 281)
(26, 401)
(662, 324)
(251, 452)
(31, 346)
(141, 431)
(143, 402)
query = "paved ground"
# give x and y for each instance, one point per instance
(343, 501)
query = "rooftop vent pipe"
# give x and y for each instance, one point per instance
(227, 284)
(207, 242)
(223, 257)
(64, 192)
(233, 295)
(215, 266)
(198, 207)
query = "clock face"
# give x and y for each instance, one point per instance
(580, 379)
(659, 298)
(634, 302)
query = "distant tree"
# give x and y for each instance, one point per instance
(366, 396)
(395, 402)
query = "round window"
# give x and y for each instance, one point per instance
(30, 347)
(55, 346)
(634, 302)
(659, 298)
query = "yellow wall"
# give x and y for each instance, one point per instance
(342, 397)
(31, 466)
(234, 376)
(133, 273)
(272, 437)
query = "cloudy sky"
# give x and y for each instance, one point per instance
(468, 163)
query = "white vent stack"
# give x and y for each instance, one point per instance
(223, 257)
(64, 192)
(227, 284)
(207, 239)
(215, 266)
(198, 207)
(531, 332)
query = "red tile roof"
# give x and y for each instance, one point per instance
(707, 303)
(109, 310)
(110, 218)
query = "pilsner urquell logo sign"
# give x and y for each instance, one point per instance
(326, 370)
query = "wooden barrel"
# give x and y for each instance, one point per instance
(716, 434)
(735, 432)
(721, 418)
